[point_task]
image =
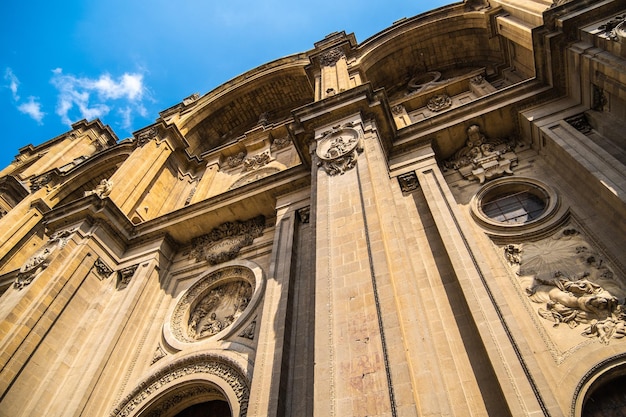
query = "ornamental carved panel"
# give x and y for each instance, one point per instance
(572, 287)
(338, 149)
(220, 303)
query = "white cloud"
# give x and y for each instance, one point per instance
(13, 83)
(96, 97)
(32, 108)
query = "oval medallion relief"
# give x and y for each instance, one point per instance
(215, 306)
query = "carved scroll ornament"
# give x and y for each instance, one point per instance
(338, 149)
(573, 283)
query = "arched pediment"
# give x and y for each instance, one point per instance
(450, 40)
(268, 92)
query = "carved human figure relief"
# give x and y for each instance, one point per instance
(219, 309)
(482, 158)
(572, 284)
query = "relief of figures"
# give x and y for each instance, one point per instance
(573, 284)
(219, 309)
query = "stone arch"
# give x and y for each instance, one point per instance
(597, 383)
(185, 382)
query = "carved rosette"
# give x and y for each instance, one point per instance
(573, 283)
(214, 303)
(439, 102)
(202, 367)
(225, 241)
(37, 263)
(338, 149)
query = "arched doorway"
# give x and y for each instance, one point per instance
(216, 408)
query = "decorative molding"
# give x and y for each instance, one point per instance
(225, 241)
(614, 29)
(40, 182)
(439, 102)
(146, 135)
(599, 99)
(257, 161)
(304, 214)
(330, 58)
(477, 79)
(338, 149)
(235, 160)
(580, 123)
(103, 270)
(408, 182)
(125, 275)
(280, 143)
(37, 263)
(483, 158)
(254, 176)
(398, 109)
(210, 365)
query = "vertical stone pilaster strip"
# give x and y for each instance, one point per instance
(522, 394)
(273, 345)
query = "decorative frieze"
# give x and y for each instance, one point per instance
(225, 241)
(614, 29)
(338, 149)
(483, 158)
(235, 160)
(398, 110)
(580, 123)
(40, 182)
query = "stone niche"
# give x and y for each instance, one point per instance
(219, 304)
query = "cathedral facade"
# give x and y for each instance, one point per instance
(427, 223)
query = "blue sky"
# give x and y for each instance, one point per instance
(123, 61)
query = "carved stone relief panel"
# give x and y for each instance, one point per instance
(253, 176)
(339, 148)
(572, 287)
(482, 158)
(225, 241)
(37, 263)
(217, 305)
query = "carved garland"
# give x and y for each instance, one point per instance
(196, 365)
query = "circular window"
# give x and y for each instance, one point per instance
(516, 204)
